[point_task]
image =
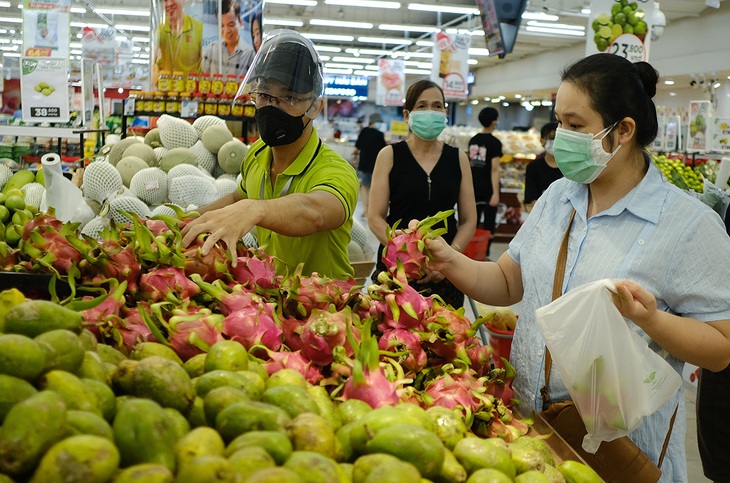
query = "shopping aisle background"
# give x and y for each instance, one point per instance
(694, 465)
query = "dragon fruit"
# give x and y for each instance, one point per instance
(57, 250)
(447, 332)
(500, 386)
(211, 266)
(407, 344)
(102, 307)
(193, 333)
(254, 326)
(39, 222)
(229, 299)
(255, 270)
(408, 246)
(167, 283)
(322, 332)
(396, 303)
(452, 390)
(133, 329)
(8, 257)
(292, 329)
(292, 360)
(480, 356)
(304, 294)
(109, 260)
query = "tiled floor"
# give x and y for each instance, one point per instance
(694, 464)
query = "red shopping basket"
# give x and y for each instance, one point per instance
(477, 247)
(501, 343)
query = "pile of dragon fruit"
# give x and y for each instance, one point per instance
(382, 344)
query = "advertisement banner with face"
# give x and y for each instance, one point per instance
(213, 36)
(450, 65)
(620, 27)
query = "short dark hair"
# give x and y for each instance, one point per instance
(487, 116)
(618, 88)
(415, 91)
(226, 6)
(547, 129)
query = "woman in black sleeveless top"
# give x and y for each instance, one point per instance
(419, 177)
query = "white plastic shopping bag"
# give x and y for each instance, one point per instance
(612, 375)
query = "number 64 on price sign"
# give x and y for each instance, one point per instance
(44, 89)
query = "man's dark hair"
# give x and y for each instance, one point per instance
(226, 6)
(487, 116)
(547, 129)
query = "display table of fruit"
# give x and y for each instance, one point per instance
(161, 364)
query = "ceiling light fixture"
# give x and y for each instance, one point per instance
(424, 43)
(5, 4)
(383, 40)
(296, 3)
(365, 72)
(559, 26)
(11, 20)
(417, 71)
(443, 9)
(353, 59)
(574, 33)
(472, 61)
(140, 28)
(335, 65)
(364, 3)
(283, 22)
(340, 23)
(539, 16)
(669, 82)
(122, 11)
(326, 48)
(334, 38)
(338, 71)
(408, 28)
(475, 51)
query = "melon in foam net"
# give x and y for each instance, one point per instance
(150, 185)
(176, 156)
(215, 136)
(129, 166)
(175, 132)
(142, 151)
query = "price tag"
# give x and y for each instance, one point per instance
(44, 89)
(45, 112)
(629, 47)
(189, 108)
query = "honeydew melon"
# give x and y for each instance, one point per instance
(230, 156)
(117, 151)
(142, 151)
(214, 137)
(152, 138)
(129, 166)
(176, 156)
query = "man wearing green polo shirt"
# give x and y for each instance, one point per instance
(180, 41)
(297, 191)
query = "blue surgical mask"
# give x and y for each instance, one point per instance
(580, 156)
(427, 125)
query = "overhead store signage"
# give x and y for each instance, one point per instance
(99, 45)
(44, 89)
(450, 63)
(46, 28)
(345, 86)
(391, 83)
(700, 113)
(620, 28)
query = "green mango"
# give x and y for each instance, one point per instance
(109, 354)
(326, 406)
(394, 472)
(313, 467)
(105, 398)
(87, 458)
(538, 445)
(181, 424)
(287, 377)
(365, 465)
(294, 400)
(211, 380)
(21, 357)
(311, 432)
(148, 349)
(84, 422)
(196, 417)
(220, 398)
(195, 366)
(417, 412)
(242, 417)
(34, 317)
(476, 453)
(274, 475)
(88, 339)
(145, 473)
(75, 394)
(256, 384)
(93, 368)
(208, 468)
(452, 471)
(247, 461)
(123, 377)
(353, 409)
(145, 433)
(575, 472)
(413, 444)
(489, 475)
(31, 427)
(448, 424)
(531, 476)
(63, 349)
(164, 381)
(526, 458)
(226, 355)
(200, 441)
(12, 391)
(373, 422)
(259, 369)
(343, 445)
(276, 443)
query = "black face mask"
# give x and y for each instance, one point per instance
(277, 128)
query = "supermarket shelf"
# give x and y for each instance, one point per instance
(49, 132)
(243, 119)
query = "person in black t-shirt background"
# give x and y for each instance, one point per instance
(484, 153)
(540, 173)
(369, 143)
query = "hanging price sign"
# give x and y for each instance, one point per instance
(43, 89)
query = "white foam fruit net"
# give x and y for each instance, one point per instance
(191, 190)
(159, 153)
(5, 174)
(100, 180)
(130, 204)
(33, 194)
(206, 159)
(204, 121)
(176, 133)
(225, 187)
(232, 177)
(163, 210)
(150, 185)
(186, 170)
(359, 234)
(250, 241)
(95, 226)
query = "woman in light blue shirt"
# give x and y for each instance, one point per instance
(669, 251)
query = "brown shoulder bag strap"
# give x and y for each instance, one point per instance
(557, 292)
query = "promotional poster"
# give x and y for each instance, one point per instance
(450, 63)
(214, 36)
(620, 27)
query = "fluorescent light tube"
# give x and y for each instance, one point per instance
(365, 72)
(408, 28)
(338, 71)
(383, 40)
(364, 3)
(297, 3)
(339, 23)
(560, 26)
(575, 33)
(356, 60)
(334, 65)
(123, 11)
(326, 48)
(475, 51)
(340, 38)
(539, 16)
(283, 22)
(11, 20)
(443, 8)
(417, 71)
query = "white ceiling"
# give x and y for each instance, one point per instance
(528, 43)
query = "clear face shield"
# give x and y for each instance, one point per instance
(286, 73)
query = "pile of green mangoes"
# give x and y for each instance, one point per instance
(14, 212)
(625, 18)
(75, 410)
(679, 174)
